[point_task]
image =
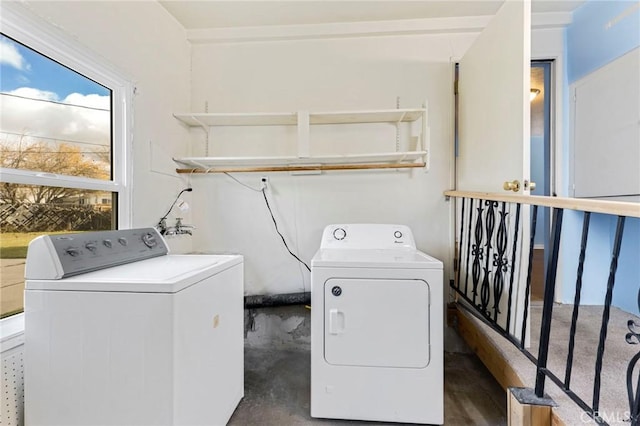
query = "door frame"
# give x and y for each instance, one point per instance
(546, 185)
(548, 45)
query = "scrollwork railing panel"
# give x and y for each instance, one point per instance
(489, 258)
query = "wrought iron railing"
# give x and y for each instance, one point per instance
(494, 259)
(633, 338)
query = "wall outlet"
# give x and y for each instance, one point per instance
(264, 181)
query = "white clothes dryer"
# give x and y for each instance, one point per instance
(376, 327)
(119, 332)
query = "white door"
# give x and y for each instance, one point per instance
(376, 322)
(493, 148)
(494, 112)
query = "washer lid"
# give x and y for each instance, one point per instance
(164, 274)
(394, 259)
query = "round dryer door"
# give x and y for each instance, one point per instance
(376, 322)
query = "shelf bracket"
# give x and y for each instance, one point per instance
(425, 138)
(398, 130)
(304, 149)
(206, 131)
(201, 124)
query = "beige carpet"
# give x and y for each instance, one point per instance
(613, 395)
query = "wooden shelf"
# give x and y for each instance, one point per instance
(304, 168)
(304, 121)
(385, 157)
(353, 117)
(237, 119)
(291, 118)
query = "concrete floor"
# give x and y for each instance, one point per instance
(277, 383)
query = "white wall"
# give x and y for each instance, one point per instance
(319, 75)
(143, 41)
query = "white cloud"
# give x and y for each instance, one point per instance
(55, 120)
(9, 55)
(29, 92)
(91, 101)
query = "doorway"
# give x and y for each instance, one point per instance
(541, 166)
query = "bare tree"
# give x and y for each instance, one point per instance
(60, 159)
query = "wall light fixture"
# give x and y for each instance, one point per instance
(534, 93)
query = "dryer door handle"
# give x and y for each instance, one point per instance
(336, 321)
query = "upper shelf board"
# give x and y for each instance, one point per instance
(385, 116)
(280, 119)
(237, 119)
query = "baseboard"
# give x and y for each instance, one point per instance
(490, 356)
(495, 361)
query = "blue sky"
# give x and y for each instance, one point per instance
(31, 69)
(45, 100)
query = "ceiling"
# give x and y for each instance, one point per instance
(199, 14)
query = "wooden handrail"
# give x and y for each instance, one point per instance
(618, 208)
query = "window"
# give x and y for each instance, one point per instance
(63, 127)
(54, 119)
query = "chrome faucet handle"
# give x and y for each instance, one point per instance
(181, 228)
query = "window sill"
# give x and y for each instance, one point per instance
(11, 332)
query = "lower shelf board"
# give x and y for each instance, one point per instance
(303, 168)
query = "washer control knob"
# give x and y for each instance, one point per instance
(339, 234)
(73, 251)
(336, 291)
(397, 234)
(123, 241)
(91, 246)
(149, 240)
(107, 243)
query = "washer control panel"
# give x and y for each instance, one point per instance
(78, 253)
(367, 236)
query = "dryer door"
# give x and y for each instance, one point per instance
(376, 322)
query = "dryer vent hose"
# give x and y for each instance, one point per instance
(269, 300)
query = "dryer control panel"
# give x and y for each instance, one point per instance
(65, 255)
(368, 236)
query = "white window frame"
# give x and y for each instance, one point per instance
(47, 40)
(32, 31)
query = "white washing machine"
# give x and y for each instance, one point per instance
(376, 327)
(119, 332)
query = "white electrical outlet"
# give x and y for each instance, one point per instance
(264, 181)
